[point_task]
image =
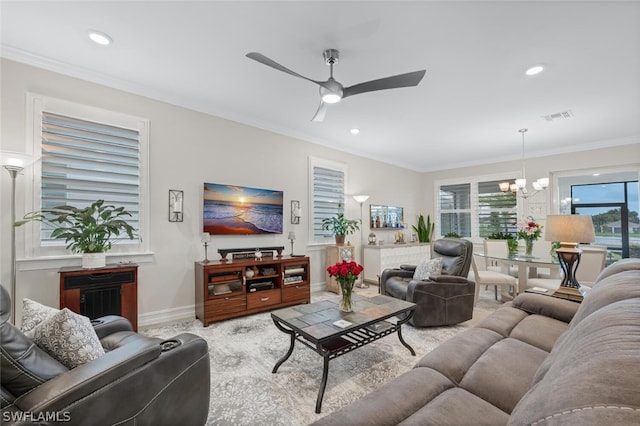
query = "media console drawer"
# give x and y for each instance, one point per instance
(226, 305)
(263, 298)
(293, 292)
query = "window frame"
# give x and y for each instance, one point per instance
(36, 104)
(473, 181)
(327, 164)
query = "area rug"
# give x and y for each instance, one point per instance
(243, 352)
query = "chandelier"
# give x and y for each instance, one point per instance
(519, 186)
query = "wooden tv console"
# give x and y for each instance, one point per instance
(233, 288)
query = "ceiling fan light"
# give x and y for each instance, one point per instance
(536, 185)
(504, 186)
(331, 98)
(521, 183)
(543, 182)
(100, 38)
(536, 69)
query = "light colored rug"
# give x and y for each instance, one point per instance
(243, 352)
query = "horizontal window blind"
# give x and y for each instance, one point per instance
(496, 210)
(85, 161)
(328, 197)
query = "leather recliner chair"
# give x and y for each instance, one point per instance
(139, 381)
(444, 299)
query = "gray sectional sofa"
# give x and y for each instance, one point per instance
(537, 360)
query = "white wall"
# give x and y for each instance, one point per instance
(188, 148)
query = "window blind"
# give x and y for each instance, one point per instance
(497, 211)
(328, 197)
(84, 161)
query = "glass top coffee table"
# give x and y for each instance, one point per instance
(330, 332)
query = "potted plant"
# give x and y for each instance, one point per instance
(512, 241)
(424, 230)
(89, 230)
(340, 226)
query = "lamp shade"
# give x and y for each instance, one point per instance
(569, 228)
(17, 160)
(361, 198)
(292, 235)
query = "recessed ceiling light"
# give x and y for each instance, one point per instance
(355, 131)
(536, 69)
(100, 38)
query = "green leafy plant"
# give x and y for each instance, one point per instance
(340, 225)
(85, 230)
(512, 241)
(424, 230)
(452, 235)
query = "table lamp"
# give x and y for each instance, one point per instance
(291, 236)
(570, 231)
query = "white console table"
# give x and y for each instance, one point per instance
(377, 258)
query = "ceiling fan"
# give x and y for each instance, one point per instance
(331, 91)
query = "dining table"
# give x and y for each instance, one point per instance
(527, 266)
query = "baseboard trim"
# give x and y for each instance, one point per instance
(167, 316)
(187, 313)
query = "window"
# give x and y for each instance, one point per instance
(476, 209)
(327, 180)
(611, 198)
(86, 155)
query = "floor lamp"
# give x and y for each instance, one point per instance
(14, 163)
(361, 199)
(570, 230)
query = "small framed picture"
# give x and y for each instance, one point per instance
(176, 198)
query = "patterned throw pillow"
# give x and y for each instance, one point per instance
(69, 338)
(33, 313)
(428, 267)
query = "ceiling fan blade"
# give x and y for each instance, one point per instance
(401, 80)
(320, 113)
(259, 57)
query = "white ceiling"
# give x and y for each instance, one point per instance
(467, 110)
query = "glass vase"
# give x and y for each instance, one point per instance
(346, 303)
(528, 247)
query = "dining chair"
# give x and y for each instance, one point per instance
(491, 278)
(498, 248)
(591, 264)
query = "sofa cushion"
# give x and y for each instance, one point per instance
(69, 338)
(503, 374)
(427, 268)
(33, 313)
(592, 375)
(503, 320)
(468, 347)
(400, 398)
(612, 288)
(457, 407)
(629, 264)
(539, 331)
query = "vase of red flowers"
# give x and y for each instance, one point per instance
(346, 274)
(529, 231)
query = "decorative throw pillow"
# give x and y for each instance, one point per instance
(427, 268)
(34, 313)
(69, 338)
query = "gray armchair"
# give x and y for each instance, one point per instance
(444, 299)
(139, 380)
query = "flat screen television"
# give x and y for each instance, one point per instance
(240, 210)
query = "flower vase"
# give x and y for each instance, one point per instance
(528, 247)
(346, 304)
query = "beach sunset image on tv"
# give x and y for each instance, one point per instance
(230, 209)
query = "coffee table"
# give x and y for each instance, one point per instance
(318, 326)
